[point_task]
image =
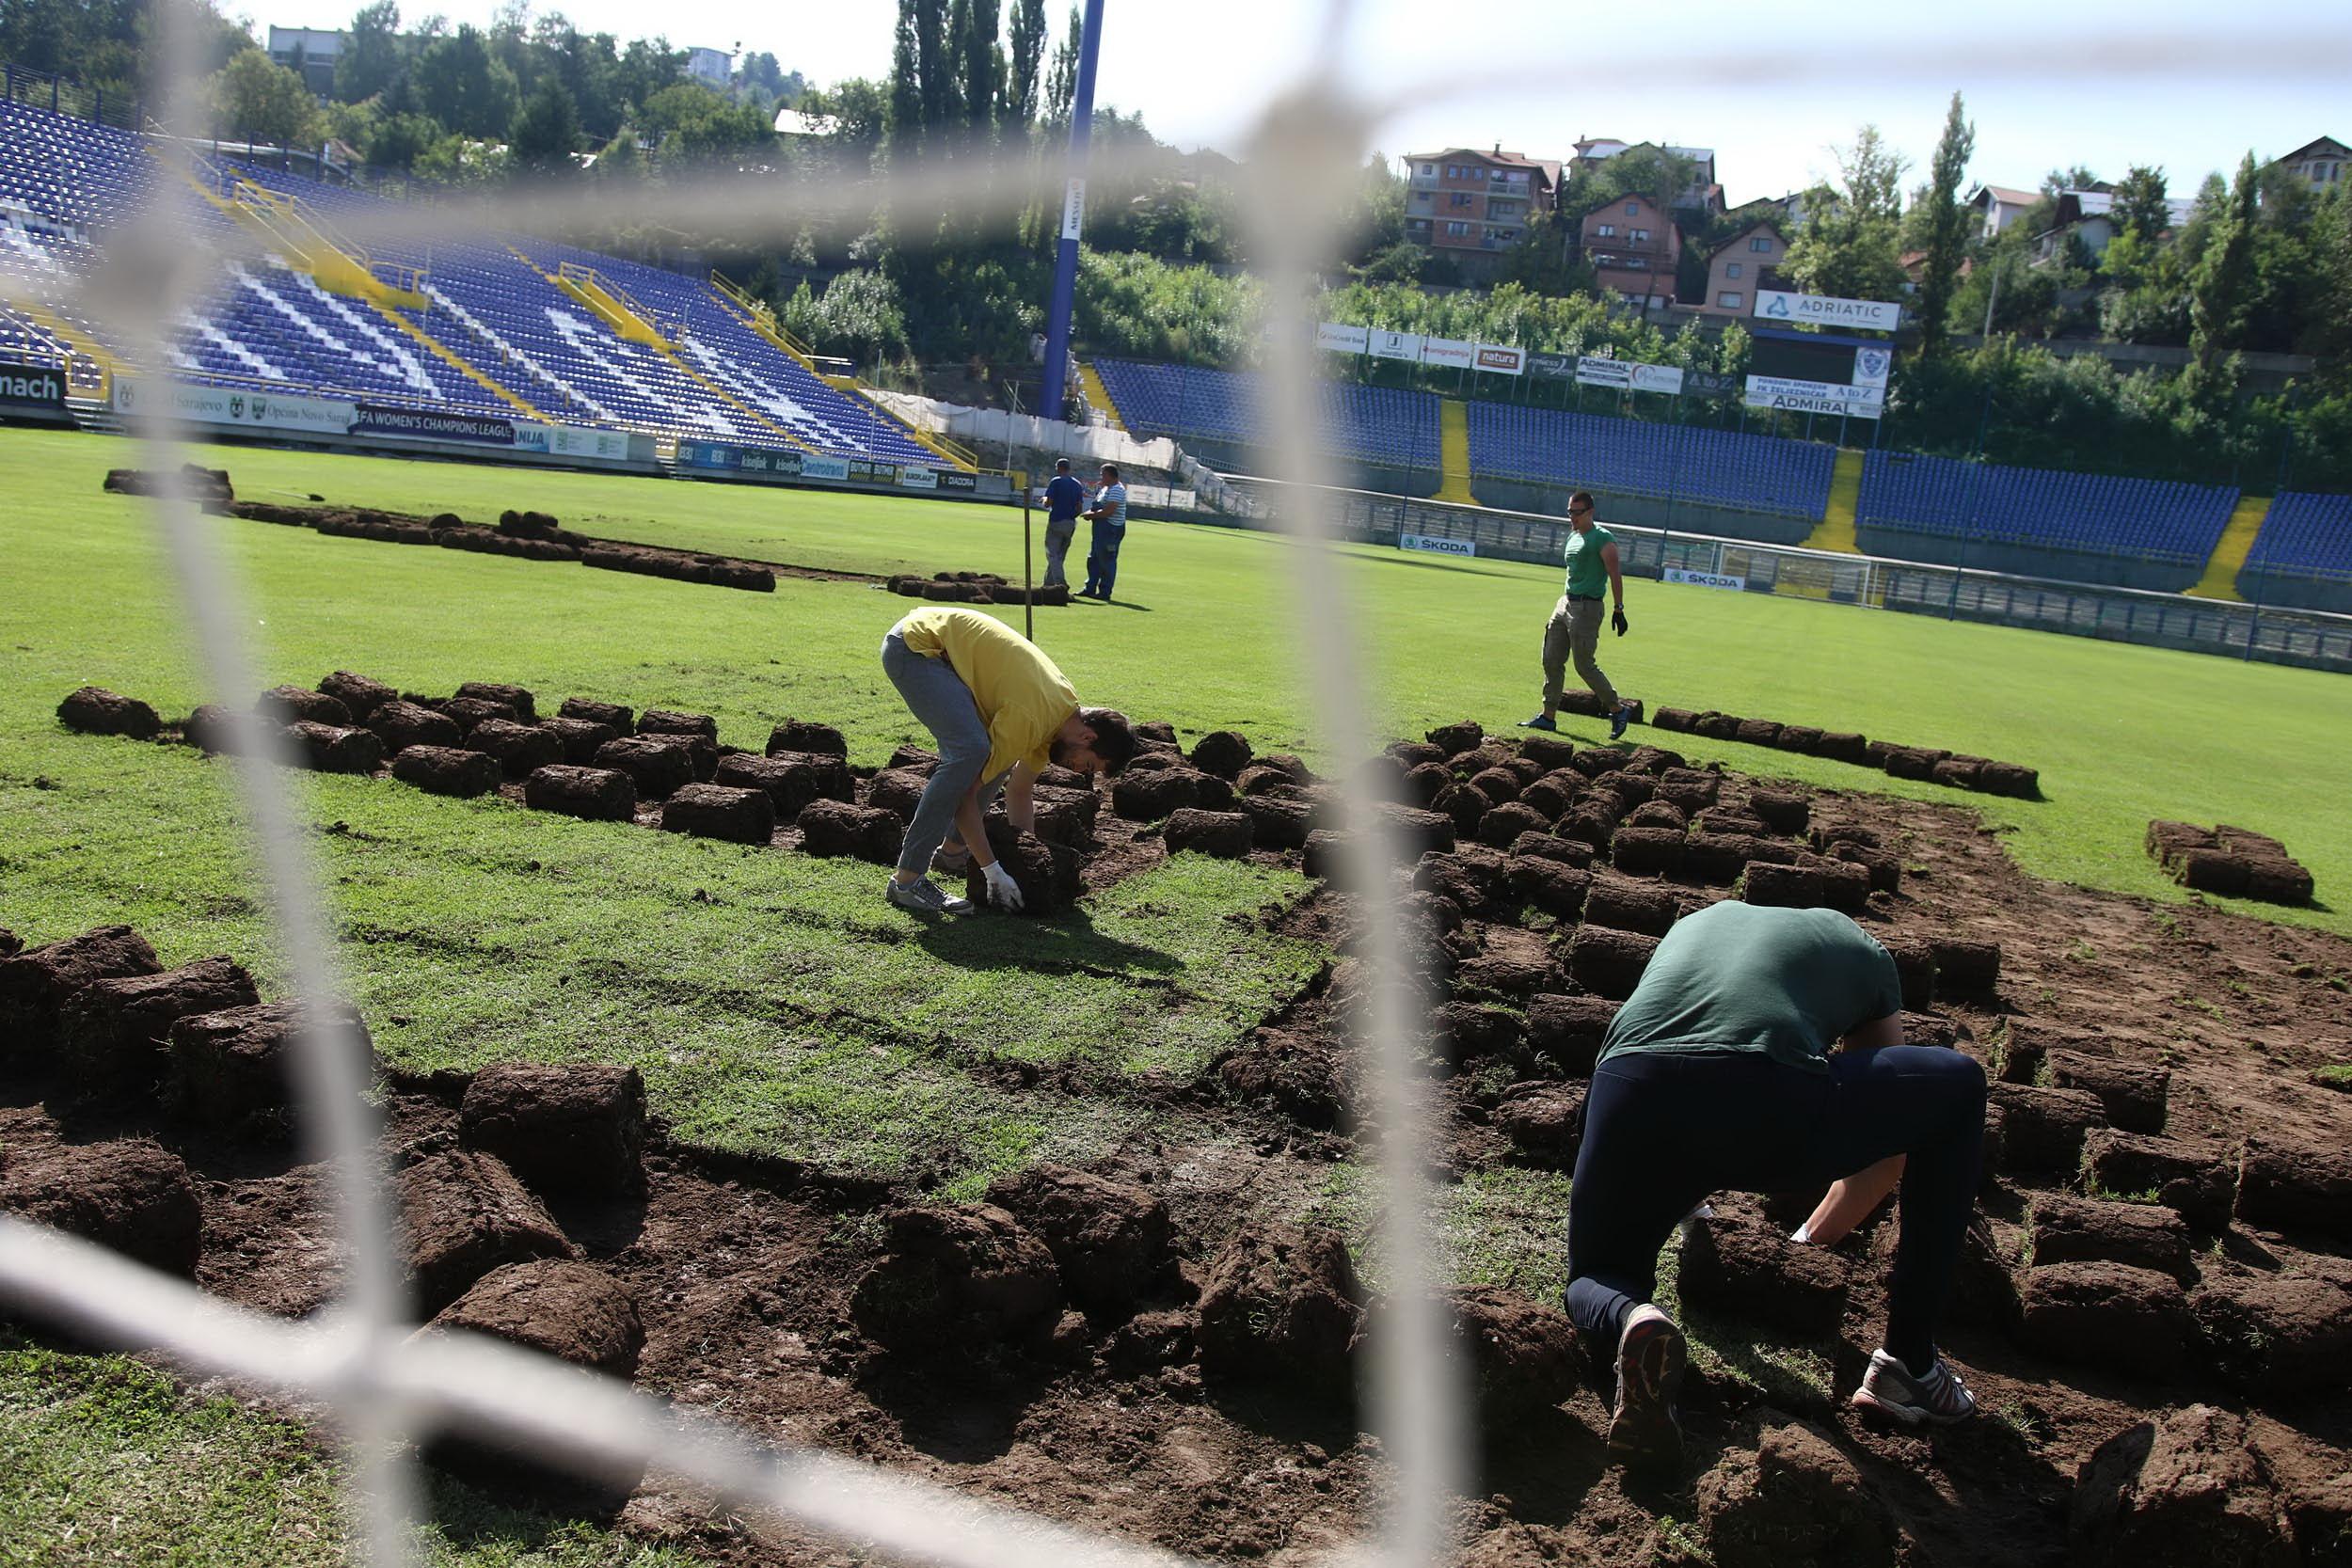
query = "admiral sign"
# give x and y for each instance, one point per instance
(1815, 397)
(1875, 315)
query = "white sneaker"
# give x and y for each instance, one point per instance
(924, 896)
(1645, 1426)
(1938, 1399)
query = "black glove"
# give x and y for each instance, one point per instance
(1617, 620)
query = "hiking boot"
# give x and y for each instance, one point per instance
(1938, 1399)
(1619, 720)
(1539, 722)
(924, 896)
(1646, 1427)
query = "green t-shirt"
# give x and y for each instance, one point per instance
(1588, 576)
(1741, 977)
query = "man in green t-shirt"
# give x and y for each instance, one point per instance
(1574, 629)
(1721, 1072)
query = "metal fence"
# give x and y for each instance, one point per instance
(2274, 634)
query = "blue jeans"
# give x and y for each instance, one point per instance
(1662, 1130)
(935, 694)
(1102, 557)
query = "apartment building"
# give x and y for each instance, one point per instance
(1736, 267)
(1471, 206)
(1634, 247)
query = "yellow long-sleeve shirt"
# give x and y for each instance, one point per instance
(1023, 697)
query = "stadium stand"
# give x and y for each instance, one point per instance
(1692, 464)
(1377, 425)
(2039, 522)
(487, 330)
(2303, 555)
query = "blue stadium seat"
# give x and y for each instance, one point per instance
(1634, 457)
(1367, 424)
(64, 181)
(2132, 520)
(2304, 534)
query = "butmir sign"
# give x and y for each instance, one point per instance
(1875, 315)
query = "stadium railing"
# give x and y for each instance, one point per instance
(2273, 634)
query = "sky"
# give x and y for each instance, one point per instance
(2103, 84)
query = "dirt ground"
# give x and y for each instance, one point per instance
(744, 1275)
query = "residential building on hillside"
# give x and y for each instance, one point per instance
(1998, 206)
(1634, 247)
(710, 66)
(1470, 206)
(309, 52)
(1704, 194)
(1736, 268)
(2323, 161)
(2090, 216)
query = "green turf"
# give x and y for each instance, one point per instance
(2121, 733)
(105, 1460)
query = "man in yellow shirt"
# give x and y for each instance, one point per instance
(1001, 712)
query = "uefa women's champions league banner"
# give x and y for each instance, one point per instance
(289, 414)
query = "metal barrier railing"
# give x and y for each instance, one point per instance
(2270, 633)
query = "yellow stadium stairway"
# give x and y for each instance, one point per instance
(441, 351)
(1836, 529)
(1454, 460)
(2229, 556)
(755, 314)
(309, 244)
(78, 343)
(609, 305)
(1098, 395)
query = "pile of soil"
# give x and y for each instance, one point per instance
(1958, 769)
(2152, 1309)
(2234, 860)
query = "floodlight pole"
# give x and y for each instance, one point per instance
(1073, 206)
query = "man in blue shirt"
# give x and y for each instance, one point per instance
(1064, 496)
(1111, 531)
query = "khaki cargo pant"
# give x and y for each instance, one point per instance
(1574, 632)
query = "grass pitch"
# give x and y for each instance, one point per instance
(772, 1001)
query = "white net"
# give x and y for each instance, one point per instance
(359, 1362)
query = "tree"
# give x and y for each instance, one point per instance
(1847, 247)
(1945, 227)
(2220, 290)
(2139, 204)
(371, 58)
(460, 84)
(979, 67)
(1061, 82)
(400, 139)
(547, 132)
(255, 99)
(1028, 60)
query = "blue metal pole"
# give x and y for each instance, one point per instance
(1073, 206)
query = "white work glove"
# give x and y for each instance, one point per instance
(1003, 891)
